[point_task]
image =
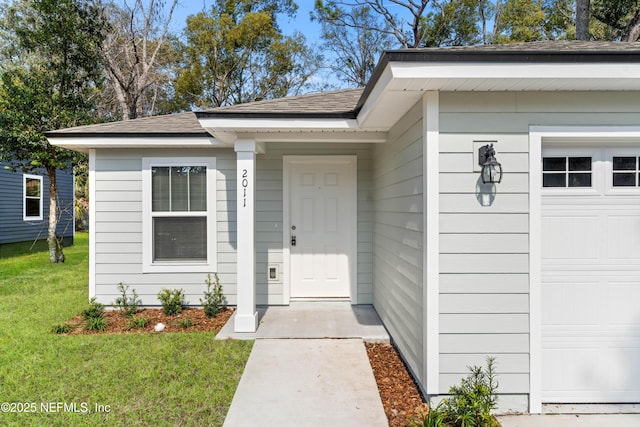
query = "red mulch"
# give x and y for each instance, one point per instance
(118, 323)
(399, 393)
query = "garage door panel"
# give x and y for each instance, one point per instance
(591, 291)
(623, 243)
(578, 238)
(563, 303)
(623, 305)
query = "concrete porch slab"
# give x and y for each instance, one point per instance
(314, 320)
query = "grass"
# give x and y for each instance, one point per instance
(138, 379)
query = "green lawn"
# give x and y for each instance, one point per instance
(138, 379)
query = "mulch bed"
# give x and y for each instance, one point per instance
(399, 393)
(118, 323)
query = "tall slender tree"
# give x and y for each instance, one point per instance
(583, 13)
(48, 82)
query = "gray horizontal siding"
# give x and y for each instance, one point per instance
(484, 260)
(118, 228)
(13, 228)
(398, 236)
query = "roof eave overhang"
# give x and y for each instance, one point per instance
(289, 128)
(83, 142)
(399, 85)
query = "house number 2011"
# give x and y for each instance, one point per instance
(245, 184)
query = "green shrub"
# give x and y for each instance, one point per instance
(137, 322)
(473, 400)
(185, 323)
(96, 324)
(433, 417)
(172, 301)
(127, 303)
(213, 296)
(94, 311)
(61, 329)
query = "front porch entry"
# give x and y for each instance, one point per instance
(319, 232)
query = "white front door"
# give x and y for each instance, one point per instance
(322, 225)
(591, 275)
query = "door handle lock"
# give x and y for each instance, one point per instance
(293, 240)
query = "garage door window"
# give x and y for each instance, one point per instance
(625, 171)
(566, 172)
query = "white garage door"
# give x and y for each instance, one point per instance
(591, 275)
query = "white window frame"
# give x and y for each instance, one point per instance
(25, 217)
(148, 264)
(609, 155)
(596, 171)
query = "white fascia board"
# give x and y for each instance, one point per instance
(381, 86)
(285, 125)
(83, 144)
(325, 136)
(437, 70)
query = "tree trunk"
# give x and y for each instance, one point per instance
(582, 19)
(55, 245)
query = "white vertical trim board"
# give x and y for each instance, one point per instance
(246, 317)
(431, 239)
(561, 135)
(92, 223)
(535, 271)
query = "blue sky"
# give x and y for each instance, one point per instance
(302, 22)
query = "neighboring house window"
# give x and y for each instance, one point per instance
(179, 214)
(625, 171)
(566, 172)
(32, 192)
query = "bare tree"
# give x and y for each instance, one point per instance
(132, 50)
(411, 38)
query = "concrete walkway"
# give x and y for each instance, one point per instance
(307, 382)
(309, 367)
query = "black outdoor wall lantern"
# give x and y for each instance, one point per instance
(491, 172)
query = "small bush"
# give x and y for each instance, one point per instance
(473, 400)
(185, 323)
(96, 324)
(61, 329)
(433, 417)
(127, 303)
(137, 322)
(172, 301)
(213, 296)
(94, 311)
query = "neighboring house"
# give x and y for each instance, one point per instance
(24, 210)
(374, 196)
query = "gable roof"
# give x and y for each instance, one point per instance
(397, 82)
(338, 104)
(180, 124)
